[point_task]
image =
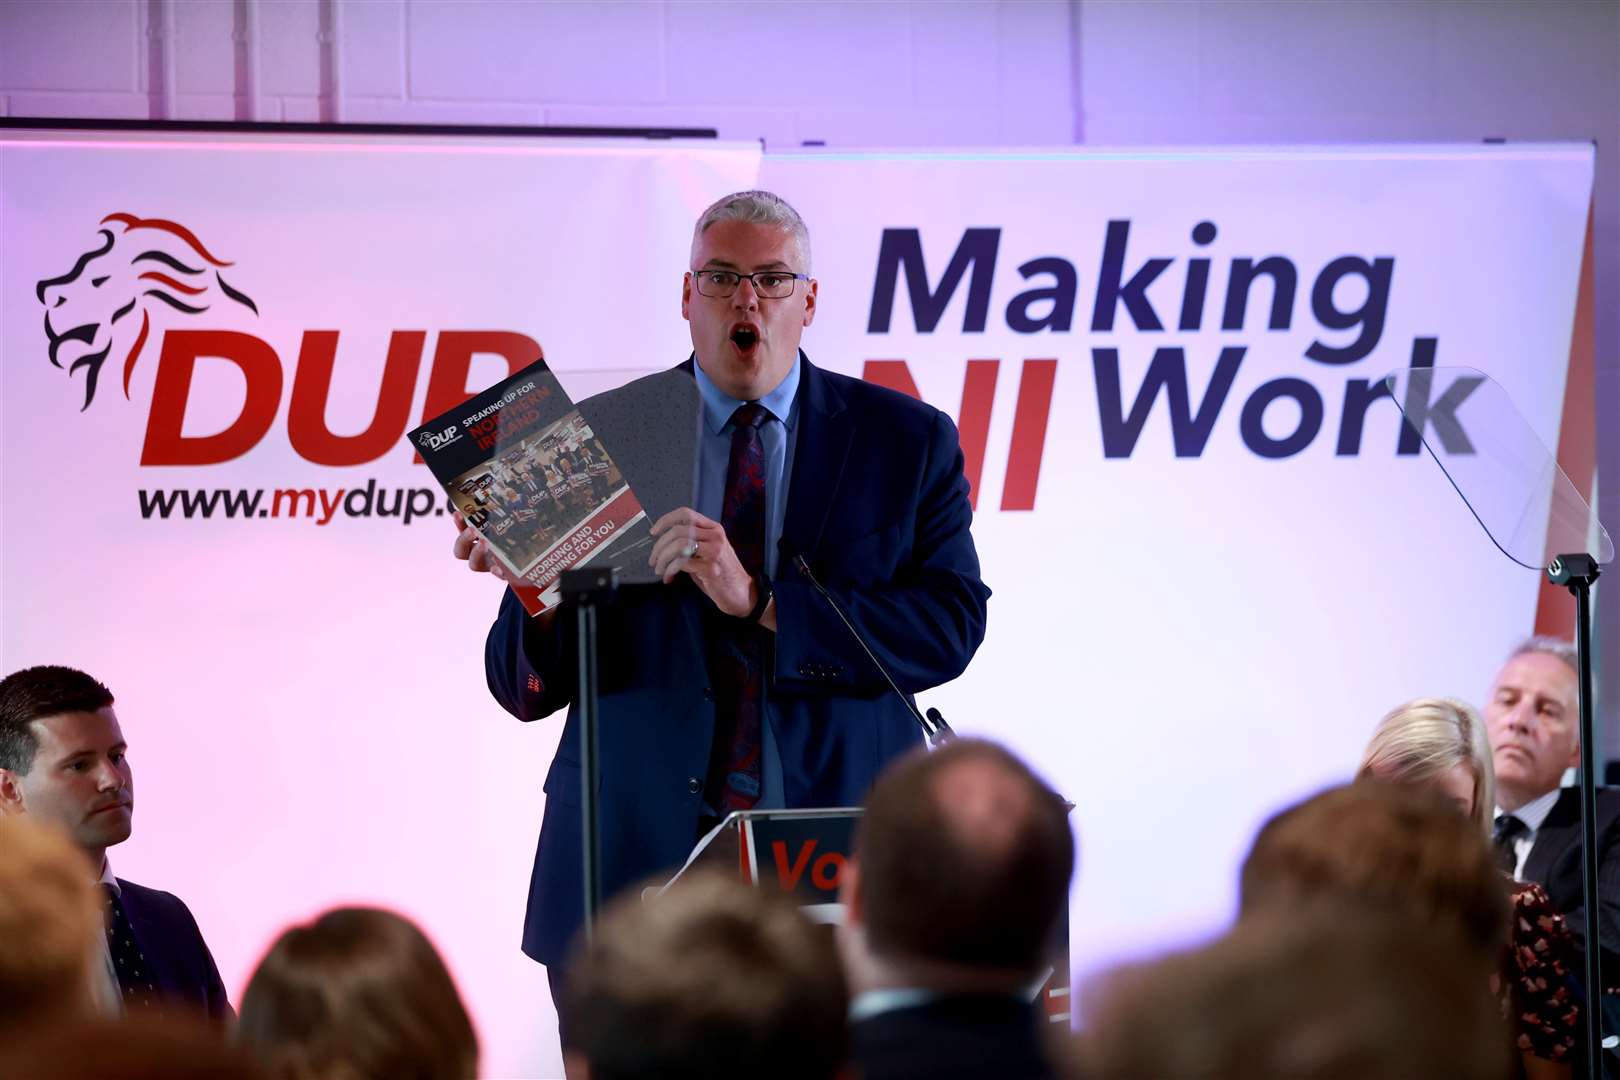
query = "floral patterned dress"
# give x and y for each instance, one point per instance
(1534, 982)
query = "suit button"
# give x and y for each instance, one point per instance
(708, 693)
(694, 785)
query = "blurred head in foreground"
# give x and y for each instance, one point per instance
(712, 978)
(1318, 994)
(961, 872)
(357, 994)
(1440, 744)
(50, 920)
(155, 1048)
(1389, 851)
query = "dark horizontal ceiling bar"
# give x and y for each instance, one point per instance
(234, 127)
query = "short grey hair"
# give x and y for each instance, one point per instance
(756, 208)
(1551, 646)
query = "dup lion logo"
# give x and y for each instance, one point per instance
(139, 260)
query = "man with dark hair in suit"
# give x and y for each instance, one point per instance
(735, 686)
(1533, 720)
(959, 880)
(63, 762)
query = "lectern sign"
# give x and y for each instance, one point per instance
(804, 856)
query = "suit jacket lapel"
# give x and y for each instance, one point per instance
(820, 453)
(1553, 838)
(691, 607)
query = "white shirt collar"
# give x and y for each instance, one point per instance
(107, 878)
(1534, 812)
(870, 1003)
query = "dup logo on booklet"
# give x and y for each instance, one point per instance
(430, 440)
(139, 260)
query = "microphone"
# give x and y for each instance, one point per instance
(933, 724)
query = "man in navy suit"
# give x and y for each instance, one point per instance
(735, 685)
(1533, 720)
(63, 762)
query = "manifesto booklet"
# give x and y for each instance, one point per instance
(527, 471)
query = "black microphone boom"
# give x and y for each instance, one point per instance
(933, 725)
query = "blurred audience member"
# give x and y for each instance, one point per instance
(1440, 744)
(63, 761)
(710, 979)
(151, 1048)
(1533, 720)
(1399, 853)
(1386, 850)
(1312, 994)
(50, 927)
(958, 885)
(358, 994)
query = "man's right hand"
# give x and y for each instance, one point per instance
(474, 551)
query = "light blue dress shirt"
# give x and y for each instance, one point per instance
(714, 456)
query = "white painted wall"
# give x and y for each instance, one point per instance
(847, 73)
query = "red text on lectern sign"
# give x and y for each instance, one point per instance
(804, 856)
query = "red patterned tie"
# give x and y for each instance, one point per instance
(737, 651)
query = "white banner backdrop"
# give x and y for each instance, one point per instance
(1180, 642)
(302, 684)
(1183, 644)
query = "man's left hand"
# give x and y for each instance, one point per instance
(689, 543)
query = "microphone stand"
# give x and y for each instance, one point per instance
(590, 588)
(1578, 573)
(933, 724)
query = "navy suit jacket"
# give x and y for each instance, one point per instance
(176, 955)
(877, 504)
(964, 1036)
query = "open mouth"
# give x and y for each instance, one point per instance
(744, 337)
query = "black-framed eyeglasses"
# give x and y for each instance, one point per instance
(770, 284)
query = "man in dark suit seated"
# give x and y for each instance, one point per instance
(63, 762)
(1533, 720)
(735, 686)
(960, 876)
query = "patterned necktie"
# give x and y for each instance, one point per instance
(134, 976)
(1508, 829)
(736, 652)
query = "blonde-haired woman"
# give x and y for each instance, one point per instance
(1440, 743)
